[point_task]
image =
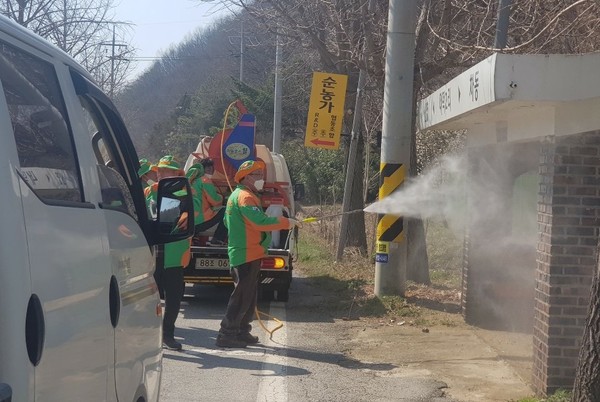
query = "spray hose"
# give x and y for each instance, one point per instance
(263, 326)
(259, 313)
(311, 219)
(222, 141)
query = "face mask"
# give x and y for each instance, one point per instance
(149, 182)
(259, 184)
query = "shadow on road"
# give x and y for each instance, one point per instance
(308, 304)
(209, 361)
(214, 357)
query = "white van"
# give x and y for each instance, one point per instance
(80, 317)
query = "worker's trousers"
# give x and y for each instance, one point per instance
(172, 279)
(171, 288)
(242, 302)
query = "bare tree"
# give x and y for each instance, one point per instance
(85, 29)
(587, 379)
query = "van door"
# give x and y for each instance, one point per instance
(135, 314)
(67, 322)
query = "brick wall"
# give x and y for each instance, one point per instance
(568, 222)
(465, 278)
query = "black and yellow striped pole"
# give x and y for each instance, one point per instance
(391, 248)
(389, 253)
(390, 228)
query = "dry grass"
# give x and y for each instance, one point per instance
(352, 280)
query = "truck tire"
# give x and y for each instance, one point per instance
(267, 295)
(283, 295)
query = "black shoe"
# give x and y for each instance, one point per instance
(248, 338)
(171, 344)
(229, 342)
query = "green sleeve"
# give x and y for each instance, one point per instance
(260, 220)
(213, 195)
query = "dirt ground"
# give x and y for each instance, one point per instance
(476, 364)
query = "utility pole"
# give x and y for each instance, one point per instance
(356, 123)
(502, 24)
(113, 56)
(391, 248)
(112, 65)
(242, 52)
(356, 126)
(277, 100)
(243, 40)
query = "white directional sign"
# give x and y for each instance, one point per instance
(472, 89)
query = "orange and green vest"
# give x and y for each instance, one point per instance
(177, 254)
(207, 200)
(249, 227)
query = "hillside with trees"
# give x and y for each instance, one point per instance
(184, 94)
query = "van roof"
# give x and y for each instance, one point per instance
(32, 39)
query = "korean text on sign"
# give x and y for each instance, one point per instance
(326, 111)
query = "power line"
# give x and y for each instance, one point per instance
(171, 22)
(154, 58)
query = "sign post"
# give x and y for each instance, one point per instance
(326, 111)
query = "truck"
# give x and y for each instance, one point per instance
(209, 262)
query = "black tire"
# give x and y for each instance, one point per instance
(283, 295)
(267, 295)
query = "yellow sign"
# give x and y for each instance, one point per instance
(326, 111)
(382, 247)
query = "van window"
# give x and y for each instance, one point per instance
(115, 193)
(112, 146)
(45, 147)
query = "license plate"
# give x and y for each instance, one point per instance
(211, 263)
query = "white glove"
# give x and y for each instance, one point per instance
(294, 222)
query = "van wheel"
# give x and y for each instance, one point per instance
(283, 295)
(140, 399)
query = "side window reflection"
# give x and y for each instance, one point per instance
(115, 193)
(44, 141)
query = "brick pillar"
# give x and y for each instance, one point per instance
(568, 222)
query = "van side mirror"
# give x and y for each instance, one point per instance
(298, 191)
(175, 210)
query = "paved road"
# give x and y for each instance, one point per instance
(304, 361)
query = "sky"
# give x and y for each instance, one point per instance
(161, 23)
